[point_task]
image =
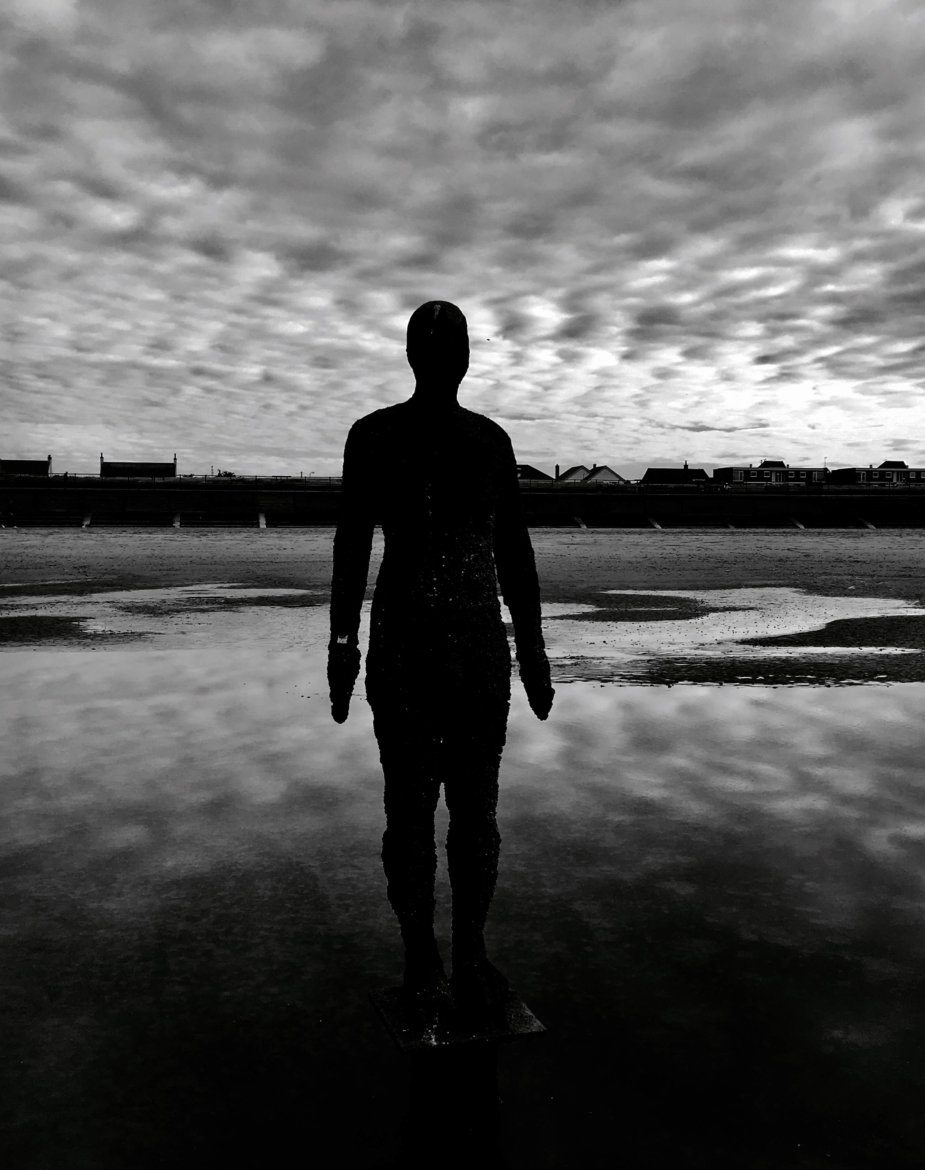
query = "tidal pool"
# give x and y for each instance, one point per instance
(713, 897)
(711, 894)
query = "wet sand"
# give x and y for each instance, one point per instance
(712, 895)
(573, 564)
(656, 607)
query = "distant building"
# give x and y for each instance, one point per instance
(890, 473)
(774, 471)
(573, 474)
(25, 466)
(528, 474)
(603, 474)
(124, 470)
(675, 476)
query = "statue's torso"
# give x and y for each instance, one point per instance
(435, 482)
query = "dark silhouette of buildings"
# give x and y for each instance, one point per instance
(572, 474)
(40, 467)
(526, 473)
(771, 471)
(890, 473)
(675, 476)
(603, 475)
(134, 470)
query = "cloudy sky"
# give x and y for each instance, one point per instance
(679, 228)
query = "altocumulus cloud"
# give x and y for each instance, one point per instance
(661, 219)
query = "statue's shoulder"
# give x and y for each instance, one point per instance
(376, 422)
(487, 429)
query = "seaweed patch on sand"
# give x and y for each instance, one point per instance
(68, 588)
(40, 629)
(880, 632)
(639, 607)
(231, 597)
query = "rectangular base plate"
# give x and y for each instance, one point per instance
(512, 1021)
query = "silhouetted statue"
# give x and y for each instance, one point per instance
(442, 482)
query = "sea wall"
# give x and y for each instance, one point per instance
(165, 502)
(825, 508)
(91, 501)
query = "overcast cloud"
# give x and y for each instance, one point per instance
(679, 228)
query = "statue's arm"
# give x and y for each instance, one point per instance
(516, 568)
(352, 546)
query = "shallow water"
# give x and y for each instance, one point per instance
(713, 896)
(658, 636)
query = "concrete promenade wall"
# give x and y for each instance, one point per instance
(164, 503)
(273, 503)
(827, 508)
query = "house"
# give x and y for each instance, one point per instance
(528, 474)
(773, 471)
(603, 475)
(675, 476)
(574, 474)
(25, 466)
(124, 470)
(890, 473)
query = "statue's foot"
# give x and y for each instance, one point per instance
(426, 989)
(479, 989)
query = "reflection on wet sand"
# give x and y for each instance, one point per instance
(712, 896)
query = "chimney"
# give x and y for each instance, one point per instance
(685, 465)
(557, 471)
(101, 462)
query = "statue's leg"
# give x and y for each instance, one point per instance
(472, 761)
(408, 849)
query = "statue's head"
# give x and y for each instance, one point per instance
(438, 343)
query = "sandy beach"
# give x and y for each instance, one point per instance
(572, 564)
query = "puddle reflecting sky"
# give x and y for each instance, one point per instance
(166, 760)
(712, 894)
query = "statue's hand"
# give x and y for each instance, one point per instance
(343, 668)
(534, 673)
